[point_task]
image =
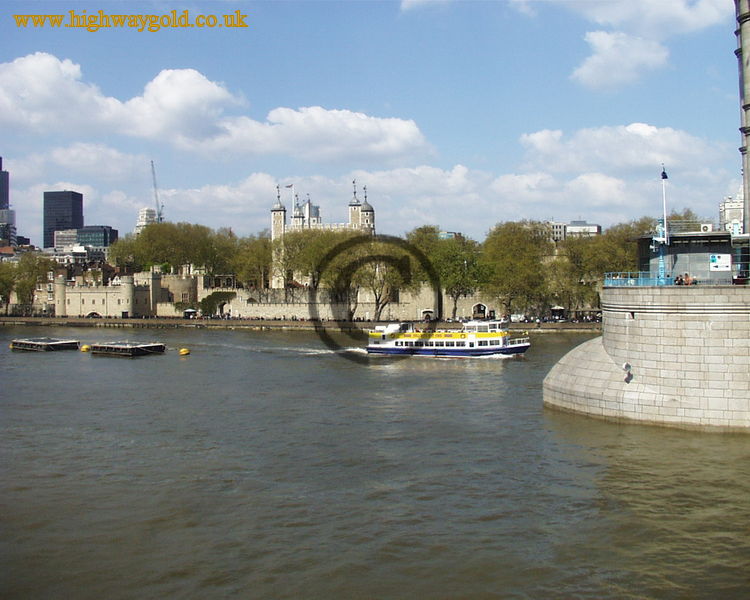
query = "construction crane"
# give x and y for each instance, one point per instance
(159, 206)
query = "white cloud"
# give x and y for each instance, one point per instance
(637, 146)
(43, 94)
(317, 134)
(618, 59)
(177, 102)
(414, 4)
(655, 19)
(98, 160)
(636, 46)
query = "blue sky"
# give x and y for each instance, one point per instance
(456, 113)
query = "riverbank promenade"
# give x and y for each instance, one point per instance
(260, 324)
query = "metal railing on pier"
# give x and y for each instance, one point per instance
(647, 279)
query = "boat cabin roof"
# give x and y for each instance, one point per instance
(485, 325)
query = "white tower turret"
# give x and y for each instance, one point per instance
(278, 217)
(355, 209)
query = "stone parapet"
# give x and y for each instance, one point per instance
(677, 356)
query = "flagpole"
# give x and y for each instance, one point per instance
(664, 202)
(664, 242)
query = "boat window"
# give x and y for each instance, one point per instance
(440, 344)
(409, 343)
(460, 343)
(451, 344)
(482, 342)
(419, 343)
(429, 344)
(495, 342)
(483, 328)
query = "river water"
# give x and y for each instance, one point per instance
(264, 465)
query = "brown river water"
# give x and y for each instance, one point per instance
(264, 465)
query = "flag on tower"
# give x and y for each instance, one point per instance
(291, 185)
(663, 173)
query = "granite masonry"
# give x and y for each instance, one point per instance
(675, 356)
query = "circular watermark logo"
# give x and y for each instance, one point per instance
(385, 256)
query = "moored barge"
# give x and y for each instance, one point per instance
(127, 349)
(44, 344)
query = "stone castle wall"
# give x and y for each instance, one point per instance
(676, 356)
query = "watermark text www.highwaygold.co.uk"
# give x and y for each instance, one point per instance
(101, 20)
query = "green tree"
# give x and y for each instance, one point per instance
(457, 263)
(513, 256)
(315, 244)
(32, 268)
(426, 239)
(126, 253)
(252, 261)
(383, 270)
(175, 244)
(7, 283)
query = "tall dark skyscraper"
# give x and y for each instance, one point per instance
(62, 210)
(4, 187)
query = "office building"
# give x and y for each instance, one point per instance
(4, 187)
(62, 210)
(582, 229)
(146, 216)
(8, 227)
(732, 213)
(99, 236)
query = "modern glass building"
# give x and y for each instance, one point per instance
(97, 235)
(62, 210)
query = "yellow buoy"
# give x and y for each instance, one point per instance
(184, 351)
(85, 348)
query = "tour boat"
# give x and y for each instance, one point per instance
(476, 338)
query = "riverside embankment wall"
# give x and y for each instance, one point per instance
(677, 356)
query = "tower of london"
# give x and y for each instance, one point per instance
(307, 216)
